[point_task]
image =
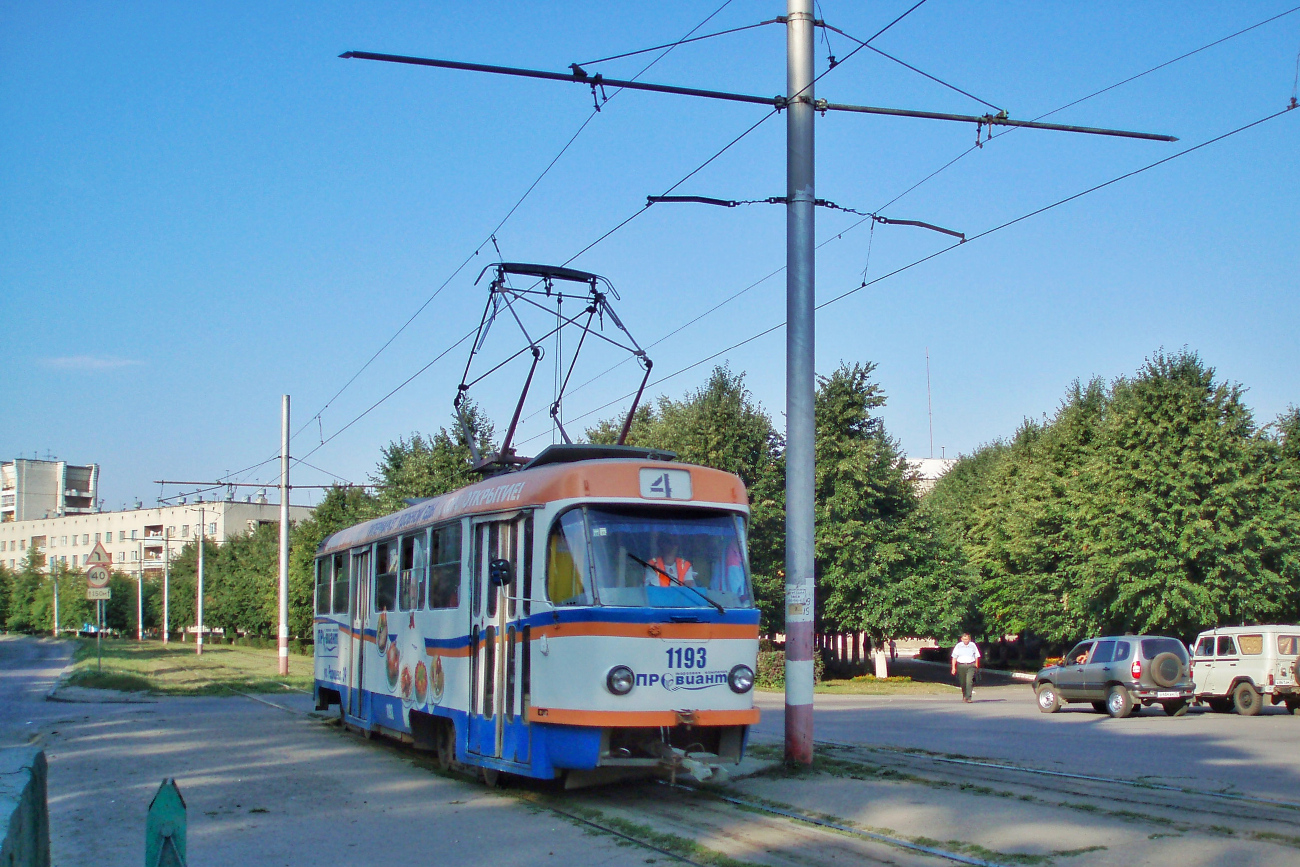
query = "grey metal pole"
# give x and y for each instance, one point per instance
(55, 576)
(284, 536)
(198, 600)
(167, 582)
(799, 382)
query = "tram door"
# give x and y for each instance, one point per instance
(494, 640)
(358, 608)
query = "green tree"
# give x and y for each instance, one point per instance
(23, 592)
(882, 566)
(1183, 523)
(428, 466)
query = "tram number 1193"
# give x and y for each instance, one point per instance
(686, 657)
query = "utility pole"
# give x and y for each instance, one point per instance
(800, 303)
(167, 580)
(284, 536)
(198, 601)
(139, 593)
(54, 576)
(801, 110)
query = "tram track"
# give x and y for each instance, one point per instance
(701, 827)
(726, 827)
(1161, 804)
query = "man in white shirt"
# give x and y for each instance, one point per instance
(965, 662)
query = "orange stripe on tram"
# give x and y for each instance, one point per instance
(642, 718)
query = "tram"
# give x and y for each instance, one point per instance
(589, 616)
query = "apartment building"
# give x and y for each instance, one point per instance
(135, 538)
(32, 489)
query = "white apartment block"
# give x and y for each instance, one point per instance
(135, 539)
(46, 489)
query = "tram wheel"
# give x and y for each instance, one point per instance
(491, 777)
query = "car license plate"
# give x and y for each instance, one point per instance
(1166, 695)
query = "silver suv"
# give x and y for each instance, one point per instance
(1119, 673)
(1242, 667)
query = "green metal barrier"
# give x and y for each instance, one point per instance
(164, 834)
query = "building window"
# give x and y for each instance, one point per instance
(212, 529)
(133, 532)
(22, 544)
(185, 531)
(2, 545)
(171, 532)
(85, 538)
(121, 535)
(135, 555)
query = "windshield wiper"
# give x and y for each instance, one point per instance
(678, 582)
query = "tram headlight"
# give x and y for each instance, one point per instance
(620, 680)
(741, 678)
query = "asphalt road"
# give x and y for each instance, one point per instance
(28, 669)
(1250, 755)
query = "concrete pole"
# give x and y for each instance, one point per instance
(167, 581)
(198, 601)
(284, 536)
(139, 594)
(799, 382)
(55, 576)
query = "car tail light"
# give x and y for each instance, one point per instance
(1136, 669)
(1270, 679)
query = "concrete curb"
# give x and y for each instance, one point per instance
(1021, 676)
(23, 808)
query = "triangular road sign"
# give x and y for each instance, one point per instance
(99, 556)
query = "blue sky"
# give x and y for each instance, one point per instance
(202, 208)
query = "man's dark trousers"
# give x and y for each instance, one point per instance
(966, 677)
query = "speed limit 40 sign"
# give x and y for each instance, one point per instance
(97, 573)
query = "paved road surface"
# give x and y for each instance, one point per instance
(1255, 755)
(262, 786)
(28, 668)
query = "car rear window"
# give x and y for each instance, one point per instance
(1206, 646)
(1153, 647)
(1251, 645)
(1288, 644)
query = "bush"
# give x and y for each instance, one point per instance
(771, 670)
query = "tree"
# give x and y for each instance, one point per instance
(882, 566)
(1183, 523)
(23, 592)
(427, 466)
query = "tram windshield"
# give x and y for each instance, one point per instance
(642, 558)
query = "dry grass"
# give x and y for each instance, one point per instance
(174, 669)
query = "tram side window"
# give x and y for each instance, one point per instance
(386, 576)
(566, 561)
(410, 592)
(323, 585)
(444, 569)
(342, 590)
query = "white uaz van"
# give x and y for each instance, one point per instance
(1240, 667)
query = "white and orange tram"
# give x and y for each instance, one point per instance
(588, 616)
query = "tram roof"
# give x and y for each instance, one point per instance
(610, 478)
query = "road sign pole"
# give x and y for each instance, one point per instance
(55, 577)
(799, 383)
(99, 636)
(284, 536)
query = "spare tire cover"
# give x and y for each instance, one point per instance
(1166, 669)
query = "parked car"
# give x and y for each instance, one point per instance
(1117, 674)
(1241, 667)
